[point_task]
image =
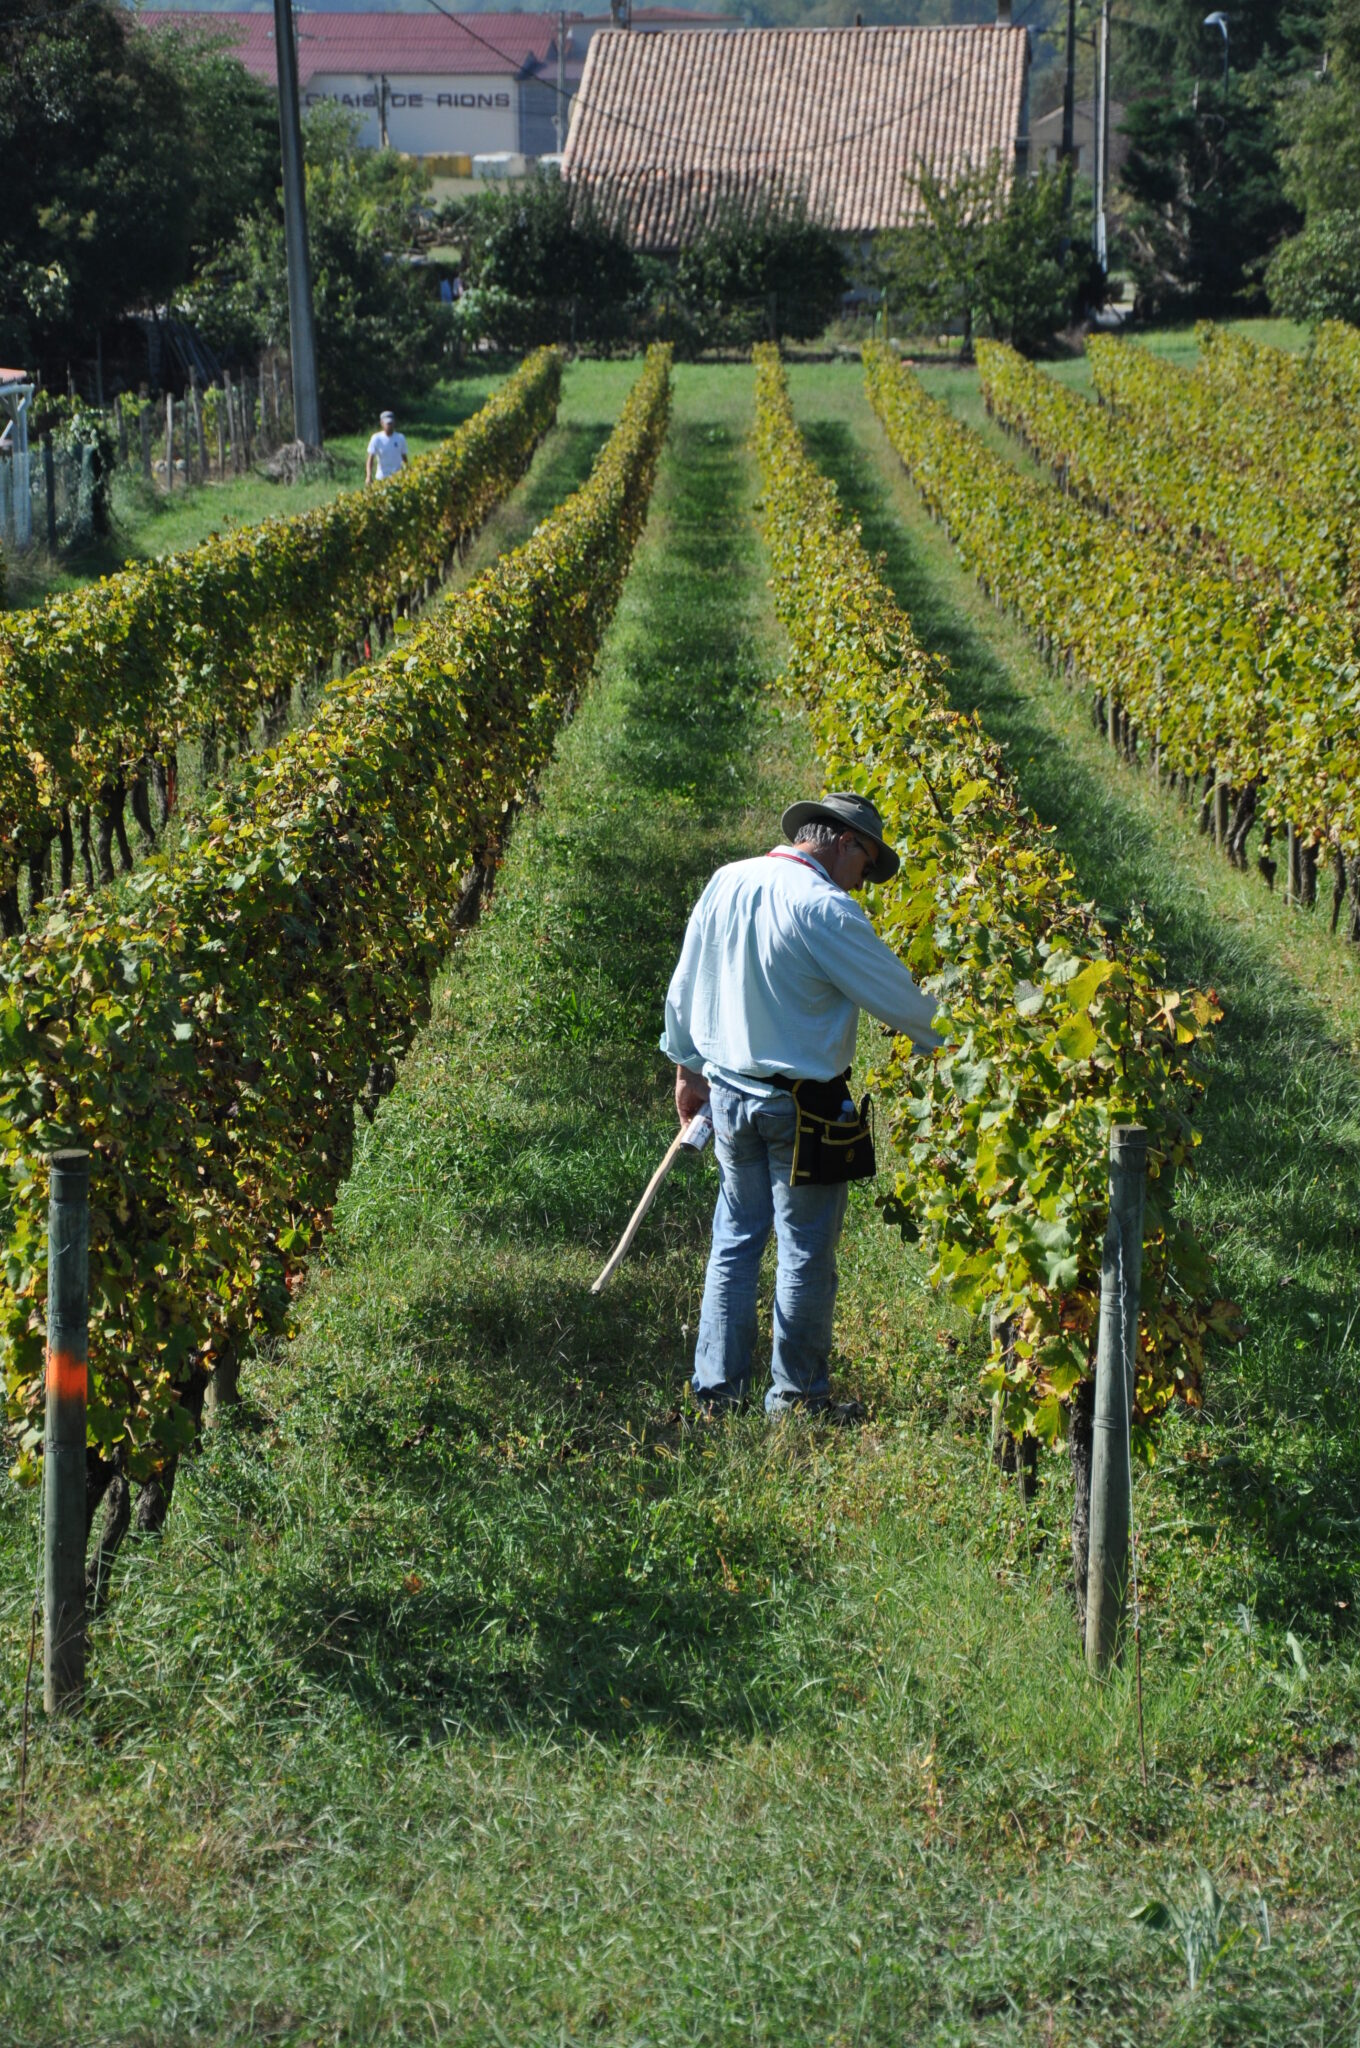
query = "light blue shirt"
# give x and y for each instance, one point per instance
(778, 962)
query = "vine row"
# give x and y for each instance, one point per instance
(1335, 361)
(1249, 705)
(1237, 414)
(210, 1044)
(1057, 1025)
(1239, 521)
(101, 687)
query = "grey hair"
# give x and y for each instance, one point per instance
(819, 833)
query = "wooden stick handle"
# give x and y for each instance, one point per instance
(620, 1251)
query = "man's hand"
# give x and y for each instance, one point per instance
(691, 1093)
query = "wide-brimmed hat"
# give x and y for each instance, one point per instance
(853, 814)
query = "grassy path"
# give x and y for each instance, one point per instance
(470, 1699)
(591, 394)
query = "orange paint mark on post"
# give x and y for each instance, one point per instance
(66, 1376)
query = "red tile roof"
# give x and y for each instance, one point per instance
(659, 17)
(666, 124)
(419, 45)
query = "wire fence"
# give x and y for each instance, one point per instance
(208, 435)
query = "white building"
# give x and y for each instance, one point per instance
(428, 86)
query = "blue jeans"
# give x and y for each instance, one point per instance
(753, 1140)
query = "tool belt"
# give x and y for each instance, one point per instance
(834, 1141)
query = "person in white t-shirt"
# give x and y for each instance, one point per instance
(386, 450)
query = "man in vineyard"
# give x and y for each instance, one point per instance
(761, 1017)
(386, 450)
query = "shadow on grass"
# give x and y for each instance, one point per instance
(1278, 1180)
(560, 1554)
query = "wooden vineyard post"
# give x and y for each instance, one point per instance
(169, 442)
(198, 429)
(50, 488)
(1111, 1476)
(68, 1290)
(144, 428)
(229, 398)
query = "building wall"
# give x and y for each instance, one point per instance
(1047, 137)
(538, 112)
(429, 115)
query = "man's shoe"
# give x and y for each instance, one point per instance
(839, 1414)
(706, 1412)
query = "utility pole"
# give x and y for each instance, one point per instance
(1102, 136)
(560, 115)
(1069, 138)
(301, 330)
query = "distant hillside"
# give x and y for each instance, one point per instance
(777, 13)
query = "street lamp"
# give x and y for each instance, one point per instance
(1220, 21)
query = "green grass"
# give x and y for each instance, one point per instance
(958, 383)
(148, 522)
(1179, 346)
(471, 1698)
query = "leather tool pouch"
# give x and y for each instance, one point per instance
(830, 1147)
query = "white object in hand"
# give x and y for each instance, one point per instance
(690, 1136)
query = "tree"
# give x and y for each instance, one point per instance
(125, 151)
(989, 251)
(548, 261)
(1205, 195)
(231, 129)
(376, 315)
(1207, 201)
(761, 267)
(1316, 275)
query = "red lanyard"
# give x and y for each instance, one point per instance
(782, 853)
